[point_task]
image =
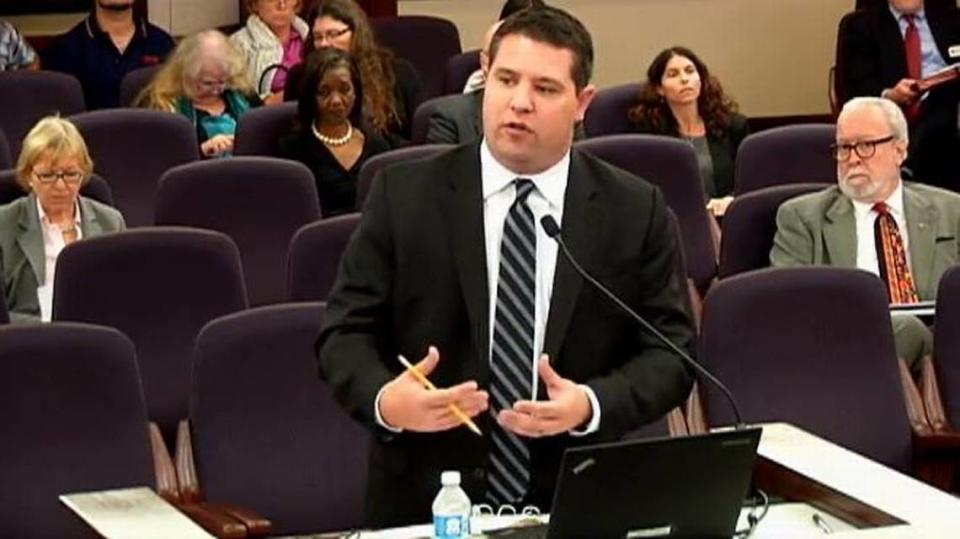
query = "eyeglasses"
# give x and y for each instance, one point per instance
(68, 176)
(864, 149)
(277, 2)
(330, 35)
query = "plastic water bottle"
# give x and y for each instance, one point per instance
(451, 509)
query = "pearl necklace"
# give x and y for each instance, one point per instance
(334, 141)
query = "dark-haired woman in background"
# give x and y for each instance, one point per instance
(330, 136)
(393, 90)
(681, 99)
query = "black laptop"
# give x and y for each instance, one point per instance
(690, 486)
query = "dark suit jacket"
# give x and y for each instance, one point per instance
(414, 275)
(870, 58)
(21, 249)
(723, 150)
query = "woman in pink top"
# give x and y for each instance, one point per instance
(272, 42)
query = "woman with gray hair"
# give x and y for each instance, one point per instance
(272, 41)
(205, 80)
(52, 167)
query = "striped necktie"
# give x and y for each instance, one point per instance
(511, 358)
(892, 257)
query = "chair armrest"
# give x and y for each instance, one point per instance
(167, 486)
(186, 469)
(935, 457)
(256, 525)
(217, 523)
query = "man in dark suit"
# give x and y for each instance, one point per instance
(451, 266)
(875, 59)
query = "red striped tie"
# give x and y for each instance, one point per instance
(892, 257)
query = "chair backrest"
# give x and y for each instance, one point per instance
(947, 343)
(6, 158)
(671, 165)
(73, 421)
(314, 257)
(259, 130)
(27, 95)
(96, 188)
(134, 82)
(131, 149)
(458, 69)
(750, 224)
(607, 114)
(267, 433)
(810, 346)
(421, 118)
(426, 42)
(159, 286)
(787, 154)
(378, 162)
(259, 202)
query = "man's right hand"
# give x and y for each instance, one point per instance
(406, 404)
(904, 93)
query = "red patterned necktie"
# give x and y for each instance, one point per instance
(911, 48)
(892, 257)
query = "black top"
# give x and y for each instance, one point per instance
(408, 93)
(87, 53)
(336, 186)
(723, 152)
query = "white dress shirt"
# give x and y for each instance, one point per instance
(865, 219)
(53, 243)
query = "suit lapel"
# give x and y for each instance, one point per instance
(921, 217)
(890, 29)
(30, 238)
(840, 234)
(581, 221)
(463, 215)
(89, 223)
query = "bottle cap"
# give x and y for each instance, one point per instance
(450, 478)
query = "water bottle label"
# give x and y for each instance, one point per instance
(451, 526)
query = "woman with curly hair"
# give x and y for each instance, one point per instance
(392, 87)
(205, 79)
(681, 99)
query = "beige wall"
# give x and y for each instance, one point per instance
(773, 56)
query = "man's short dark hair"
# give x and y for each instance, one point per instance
(554, 27)
(512, 6)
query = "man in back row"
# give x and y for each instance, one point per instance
(906, 233)
(450, 266)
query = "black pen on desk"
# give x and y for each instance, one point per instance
(821, 523)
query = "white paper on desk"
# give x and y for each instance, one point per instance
(132, 513)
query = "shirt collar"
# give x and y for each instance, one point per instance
(43, 215)
(94, 30)
(894, 202)
(551, 183)
(898, 15)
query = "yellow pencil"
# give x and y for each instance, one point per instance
(429, 385)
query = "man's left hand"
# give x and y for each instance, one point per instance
(568, 407)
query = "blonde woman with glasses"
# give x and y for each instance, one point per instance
(52, 167)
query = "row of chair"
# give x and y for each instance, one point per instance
(265, 433)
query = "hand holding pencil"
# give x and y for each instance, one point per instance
(407, 401)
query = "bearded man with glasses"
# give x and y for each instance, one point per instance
(904, 232)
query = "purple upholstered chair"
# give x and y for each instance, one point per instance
(671, 165)
(947, 344)
(426, 42)
(750, 225)
(813, 347)
(73, 421)
(607, 114)
(26, 96)
(378, 162)
(134, 82)
(6, 159)
(458, 69)
(267, 433)
(131, 149)
(788, 154)
(259, 202)
(314, 257)
(259, 130)
(96, 188)
(159, 286)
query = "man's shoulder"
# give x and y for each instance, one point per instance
(608, 176)
(457, 104)
(813, 204)
(934, 195)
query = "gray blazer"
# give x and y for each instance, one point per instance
(820, 229)
(21, 249)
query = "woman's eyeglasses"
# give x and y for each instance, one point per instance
(68, 176)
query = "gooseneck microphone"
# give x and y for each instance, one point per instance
(552, 229)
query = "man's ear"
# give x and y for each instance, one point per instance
(484, 63)
(584, 98)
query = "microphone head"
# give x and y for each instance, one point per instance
(550, 226)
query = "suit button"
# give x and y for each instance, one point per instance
(479, 474)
